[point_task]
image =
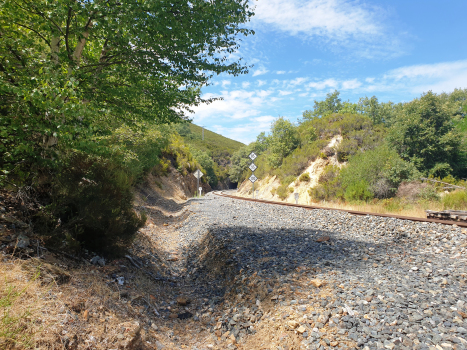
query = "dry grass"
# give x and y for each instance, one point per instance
(22, 302)
(412, 210)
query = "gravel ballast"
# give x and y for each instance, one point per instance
(386, 283)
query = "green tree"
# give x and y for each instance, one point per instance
(371, 108)
(70, 69)
(283, 140)
(424, 133)
(380, 169)
(207, 164)
(332, 104)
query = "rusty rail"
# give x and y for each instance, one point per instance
(355, 212)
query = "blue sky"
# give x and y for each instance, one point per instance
(303, 49)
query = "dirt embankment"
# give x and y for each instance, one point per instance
(266, 187)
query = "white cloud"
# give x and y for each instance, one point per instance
(351, 84)
(264, 93)
(285, 93)
(348, 23)
(260, 71)
(370, 80)
(281, 72)
(225, 83)
(247, 132)
(261, 82)
(320, 85)
(438, 77)
(245, 84)
(297, 81)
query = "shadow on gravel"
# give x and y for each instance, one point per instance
(154, 199)
(230, 252)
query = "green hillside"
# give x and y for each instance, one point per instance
(213, 153)
(219, 147)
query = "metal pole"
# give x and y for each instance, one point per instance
(197, 184)
(253, 190)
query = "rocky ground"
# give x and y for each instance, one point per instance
(277, 277)
(222, 273)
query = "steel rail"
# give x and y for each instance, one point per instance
(355, 212)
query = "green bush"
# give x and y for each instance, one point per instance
(329, 186)
(429, 193)
(381, 168)
(305, 177)
(358, 191)
(456, 200)
(93, 198)
(282, 191)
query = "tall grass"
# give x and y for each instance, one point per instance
(17, 323)
(456, 200)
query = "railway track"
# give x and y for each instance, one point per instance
(354, 212)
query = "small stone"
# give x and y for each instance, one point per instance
(159, 345)
(182, 301)
(323, 239)
(86, 314)
(293, 324)
(22, 242)
(317, 283)
(301, 330)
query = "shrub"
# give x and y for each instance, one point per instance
(379, 168)
(329, 186)
(415, 190)
(288, 180)
(282, 191)
(93, 198)
(305, 177)
(290, 189)
(273, 191)
(392, 204)
(455, 200)
(428, 193)
(358, 191)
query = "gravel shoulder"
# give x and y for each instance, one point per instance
(223, 273)
(275, 277)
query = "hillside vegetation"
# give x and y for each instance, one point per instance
(380, 149)
(213, 153)
(89, 95)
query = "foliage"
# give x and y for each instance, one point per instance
(377, 167)
(282, 141)
(424, 134)
(358, 191)
(456, 200)
(207, 166)
(429, 193)
(332, 104)
(329, 186)
(282, 191)
(93, 198)
(72, 70)
(240, 161)
(219, 148)
(305, 177)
